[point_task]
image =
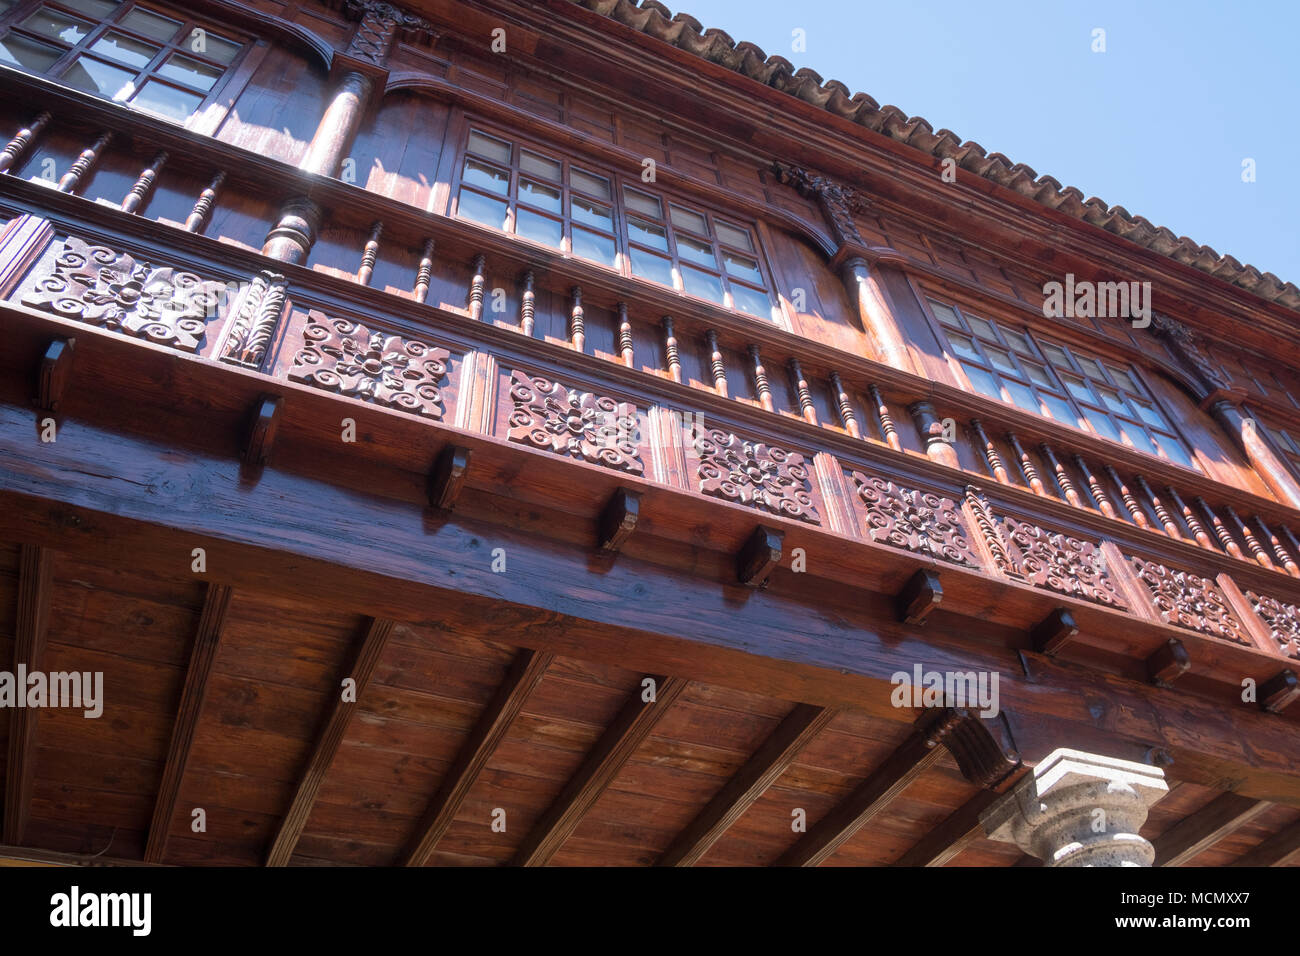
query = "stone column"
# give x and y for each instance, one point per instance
(1080, 809)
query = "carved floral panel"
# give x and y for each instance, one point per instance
(1061, 563)
(116, 291)
(919, 521)
(582, 425)
(754, 474)
(1283, 622)
(339, 355)
(1189, 600)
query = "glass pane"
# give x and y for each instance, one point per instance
(125, 49)
(95, 9)
(1138, 438)
(57, 26)
(540, 166)
(692, 250)
(1123, 379)
(189, 71)
(1113, 400)
(643, 203)
(1091, 369)
(647, 234)
(649, 266)
(1057, 356)
(751, 301)
(488, 177)
(588, 183)
(1037, 374)
(1022, 395)
(982, 328)
(1149, 413)
(733, 236)
(1078, 388)
(539, 195)
(489, 146)
(591, 246)
(1060, 409)
(1102, 424)
(212, 46)
(703, 284)
(1017, 341)
(1174, 450)
(945, 314)
(983, 381)
(965, 348)
(28, 54)
(95, 76)
(151, 24)
(688, 219)
(480, 208)
(1001, 360)
(539, 228)
(591, 213)
(742, 267)
(167, 101)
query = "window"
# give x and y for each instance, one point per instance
(587, 213)
(157, 62)
(1059, 382)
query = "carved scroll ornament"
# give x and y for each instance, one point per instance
(1189, 600)
(583, 425)
(754, 474)
(918, 521)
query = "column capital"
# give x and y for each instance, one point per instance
(1080, 809)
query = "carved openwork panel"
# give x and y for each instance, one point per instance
(919, 521)
(752, 473)
(582, 425)
(1189, 600)
(1283, 622)
(116, 291)
(1061, 563)
(339, 355)
(379, 23)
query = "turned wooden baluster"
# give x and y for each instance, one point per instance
(528, 305)
(1027, 466)
(577, 318)
(848, 418)
(1192, 521)
(1252, 543)
(84, 163)
(476, 287)
(805, 393)
(886, 420)
(202, 211)
(1063, 479)
(715, 363)
(996, 465)
(143, 186)
(670, 350)
(1287, 561)
(762, 387)
(1291, 540)
(1166, 519)
(1220, 530)
(369, 254)
(1099, 493)
(15, 148)
(424, 273)
(1129, 499)
(625, 335)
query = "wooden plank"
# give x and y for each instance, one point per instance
(749, 783)
(35, 582)
(525, 673)
(1204, 828)
(632, 725)
(327, 744)
(950, 837)
(1275, 850)
(204, 653)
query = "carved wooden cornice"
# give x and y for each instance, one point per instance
(838, 202)
(1209, 382)
(378, 24)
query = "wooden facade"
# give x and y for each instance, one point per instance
(529, 432)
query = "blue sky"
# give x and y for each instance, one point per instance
(1159, 123)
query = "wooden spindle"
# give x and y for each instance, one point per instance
(477, 285)
(848, 418)
(424, 273)
(997, 468)
(1027, 466)
(1252, 543)
(84, 163)
(1291, 540)
(1063, 479)
(1166, 519)
(1279, 552)
(1221, 531)
(143, 186)
(369, 254)
(625, 335)
(762, 387)
(888, 431)
(718, 370)
(670, 350)
(1190, 519)
(15, 148)
(1129, 499)
(1099, 493)
(805, 393)
(528, 304)
(577, 320)
(202, 211)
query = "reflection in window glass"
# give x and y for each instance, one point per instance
(153, 25)
(592, 213)
(125, 49)
(28, 54)
(536, 194)
(480, 208)
(486, 177)
(591, 246)
(57, 26)
(539, 228)
(167, 100)
(649, 266)
(703, 284)
(190, 72)
(98, 77)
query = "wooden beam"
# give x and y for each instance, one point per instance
(1279, 692)
(264, 424)
(1052, 633)
(447, 477)
(632, 725)
(35, 583)
(919, 596)
(618, 520)
(525, 673)
(202, 656)
(950, 837)
(26, 856)
(53, 374)
(1207, 826)
(327, 743)
(1273, 851)
(1168, 662)
(756, 558)
(749, 783)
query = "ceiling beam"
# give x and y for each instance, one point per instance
(1275, 850)
(327, 743)
(603, 762)
(526, 671)
(954, 834)
(35, 582)
(204, 652)
(1198, 832)
(749, 783)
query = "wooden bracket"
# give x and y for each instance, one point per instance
(618, 520)
(758, 556)
(1052, 633)
(53, 374)
(262, 431)
(1168, 663)
(1278, 693)
(919, 596)
(448, 477)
